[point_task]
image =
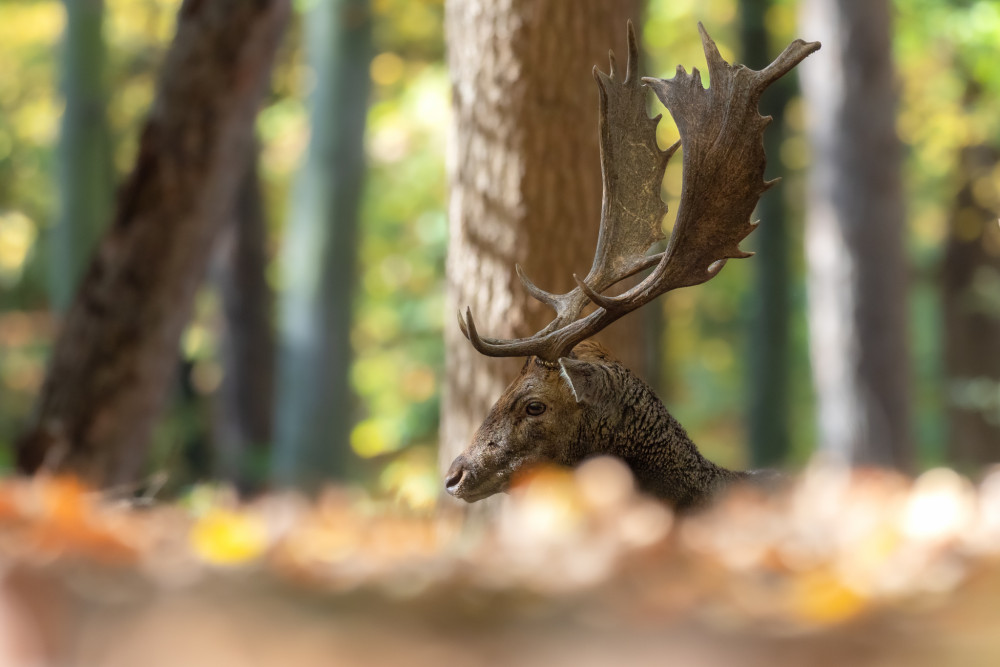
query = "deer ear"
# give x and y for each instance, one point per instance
(583, 378)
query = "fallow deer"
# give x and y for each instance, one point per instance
(572, 400)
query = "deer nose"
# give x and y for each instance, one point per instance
(455, 475)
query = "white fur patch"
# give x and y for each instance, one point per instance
(565, 375)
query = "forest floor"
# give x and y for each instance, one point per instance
(863, 568)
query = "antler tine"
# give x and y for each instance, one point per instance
(601, 301)
(462, 325)
(793, 54)
(492, 347)
(469, 329)
(722, 134)
(535, 291)
(486, 346)
(633, 53)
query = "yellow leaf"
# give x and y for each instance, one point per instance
(820, 597)
(223, 537)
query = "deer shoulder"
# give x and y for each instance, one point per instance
(572, 399)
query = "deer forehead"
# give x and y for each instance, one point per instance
(540, 383)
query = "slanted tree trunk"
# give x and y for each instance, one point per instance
(525, 179)
(854, 236)
(767, 384)
(85, 175)
(313, 418)
(243, 410)
(970, 278)
(115, 356)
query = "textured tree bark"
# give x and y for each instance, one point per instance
(767, 383)
(525, 178)
(314, 400)
(244, 404)
(86, 178)
(971, 303)
(116, 353)
(854, 236)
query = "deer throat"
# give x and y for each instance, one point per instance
(664, 460)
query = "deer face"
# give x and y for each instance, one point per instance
(540, 418)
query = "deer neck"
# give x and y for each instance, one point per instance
(664, 460)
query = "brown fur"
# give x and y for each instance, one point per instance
(593, 406)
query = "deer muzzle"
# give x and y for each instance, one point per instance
(462, 482)
(456, 476)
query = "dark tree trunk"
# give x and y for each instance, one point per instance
(525, 180)
(970, 276)
(84, 166)
(245, 400)
(767, 384)
(313, 411)
(854, 236)
(113, 360)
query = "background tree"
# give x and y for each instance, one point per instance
(314, 415)
(525, 180)
(971, 301)
(85, 174)
(116, 352)
(854, 238)
(768, 379)
(244, 405)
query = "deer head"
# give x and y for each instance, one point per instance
(543, 416)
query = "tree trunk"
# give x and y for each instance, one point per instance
(313, 420)
(525, 179)
(113, 360)
(84, 156)
(245, 401)
(767, 384)
(854, 236)
(971, 276)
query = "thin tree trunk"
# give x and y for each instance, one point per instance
(114, 358)
(971, 274)
(314, 415)
(854, 236)
(244, 404)
(767, 384)
(84, 156)
(525, 178)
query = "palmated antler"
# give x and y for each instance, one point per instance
(722, 134)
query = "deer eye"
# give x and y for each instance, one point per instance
(535, 408)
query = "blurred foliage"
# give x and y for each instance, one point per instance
(864, 568)
(946, 50)
(947, 54)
